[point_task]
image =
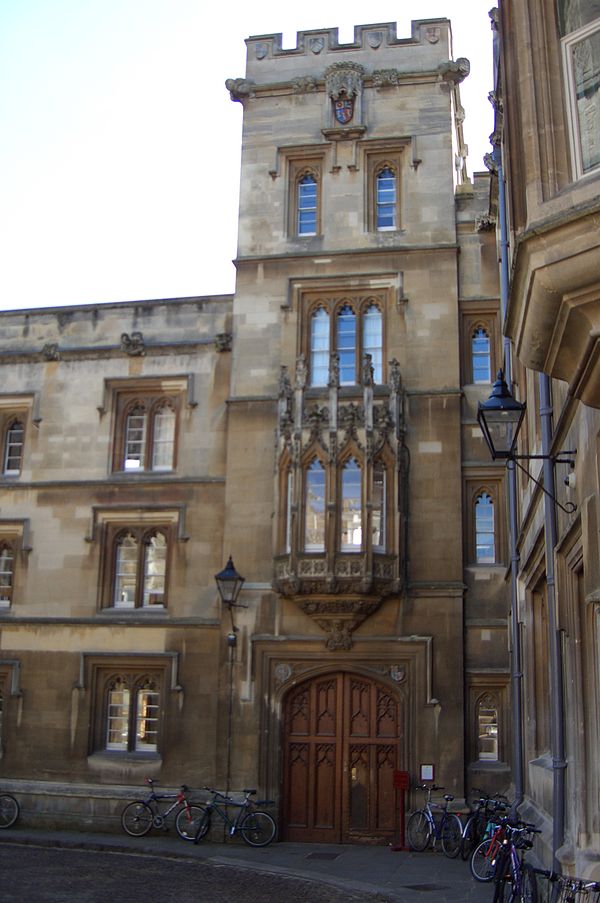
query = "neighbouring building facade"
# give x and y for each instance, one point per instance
(547, 102)
(320, 427)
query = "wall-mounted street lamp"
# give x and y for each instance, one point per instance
(229, 584)
(500, 419)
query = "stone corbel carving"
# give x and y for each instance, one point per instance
(485, 223)
(454, 71)
(239, 88)
(51, 352)
(133, 344)
(304, 85)
(339, 618)
(223, 341)
(386, 78)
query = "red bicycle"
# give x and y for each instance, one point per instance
(139, 817)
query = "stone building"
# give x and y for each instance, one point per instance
(320, 427)
(547, 103)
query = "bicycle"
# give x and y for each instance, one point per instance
(485, 855)
(9, 810)
(512, 872)
(138, 817)
(423, 829)
(257, 828)
(572, 890)
(479, 821)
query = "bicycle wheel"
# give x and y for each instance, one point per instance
(136, 818)
(528, 892)
(203, 827)
(258, 829)
(482, 862)
(9, 810)
(503, 886)
(418, 831)
(189, 819)
(467, 842)
(451, 835)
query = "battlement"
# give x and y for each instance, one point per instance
(373, 46)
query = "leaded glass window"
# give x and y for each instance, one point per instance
(351, 507)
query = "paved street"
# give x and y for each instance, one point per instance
(77, 867)
(42, 875)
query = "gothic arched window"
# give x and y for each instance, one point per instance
(386, 199)
(314, 507)
(481, 356)
(485, 542)
(351, 507)
(307, 205)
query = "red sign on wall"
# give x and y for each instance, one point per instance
(401, 780)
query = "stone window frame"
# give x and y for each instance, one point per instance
(480, 688)
(152, 403)
(16, 408)
(568, 44)
(10, 689)
(379, 155)
(290, 507)
(313, 453)
(14, 534)
(300, 165)
(102, 669)
(332, 302)
(120, 393)
(108, 524)
(491, 484)
(578, 602)
(483, 316)
(143, 534)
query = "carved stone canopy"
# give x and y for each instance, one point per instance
(339, 618)
(344, 78)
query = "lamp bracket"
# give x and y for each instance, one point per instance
(569, 507)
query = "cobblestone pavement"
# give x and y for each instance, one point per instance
(48, 875)
(72, 867)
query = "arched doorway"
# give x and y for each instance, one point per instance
(341, 746)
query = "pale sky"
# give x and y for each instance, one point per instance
(120, 146)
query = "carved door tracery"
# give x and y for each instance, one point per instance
(341, 745)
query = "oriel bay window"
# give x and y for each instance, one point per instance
(344, 517)
(378, 509)
(351, 329)
(351, 507)
(314, 507)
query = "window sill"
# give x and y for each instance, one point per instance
(128, 766)
(134, 612)
(142, 474)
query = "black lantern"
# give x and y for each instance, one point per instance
(229, 584)
(500, 419)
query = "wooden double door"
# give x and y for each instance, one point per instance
(341, 746)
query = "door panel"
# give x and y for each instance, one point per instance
(340, 746)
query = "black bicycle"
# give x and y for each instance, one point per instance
(257, 828)
(139, 817)
(9, 810)
(514, 878)
(478, 823)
